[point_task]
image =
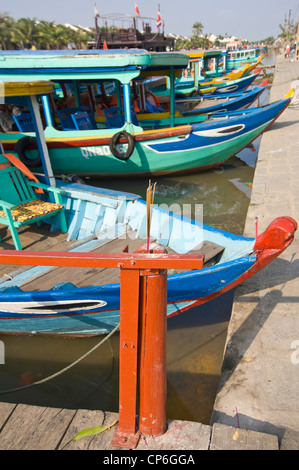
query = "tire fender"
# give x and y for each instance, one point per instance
(20, 149)
(115, 140)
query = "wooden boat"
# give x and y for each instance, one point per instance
(65, 309)
(218, 85)
(51, 301)
(188, 86)
(216, 103)
(126, 149)
(242, 71)
(204, 69)
(239, 57)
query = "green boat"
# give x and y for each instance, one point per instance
(103, 146)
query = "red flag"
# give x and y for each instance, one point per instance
(159, 22)
(137, 9)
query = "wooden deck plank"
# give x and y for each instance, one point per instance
(85, 276)
(89, 419)
(6, 410)
(39, 239)
(35, 428)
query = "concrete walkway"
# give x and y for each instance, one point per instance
(259, 386)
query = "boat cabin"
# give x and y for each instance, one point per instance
(92, 82)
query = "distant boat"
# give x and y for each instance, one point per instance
(239, 57)
(224, 104)
(217, 85)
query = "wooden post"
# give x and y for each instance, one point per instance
(128, 355)
(152, 352)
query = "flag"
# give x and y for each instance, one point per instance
(96, 13)
(105, 45)
(159, 22)
(137, 9)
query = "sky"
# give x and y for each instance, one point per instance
(252, 20)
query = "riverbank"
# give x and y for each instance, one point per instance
(259, 382)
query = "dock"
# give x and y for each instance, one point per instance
(260, 374)
(256, 407)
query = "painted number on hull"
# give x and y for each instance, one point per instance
(88, 152)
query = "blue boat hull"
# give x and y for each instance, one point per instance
(67, 310)
(242, 101)
(48, 315)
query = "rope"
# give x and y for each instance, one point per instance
(65, 369)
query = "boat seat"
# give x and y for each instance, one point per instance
(65, 117)
(211, 250)
(81, 121)
(114, 117)
(24, 122)
(20, 205)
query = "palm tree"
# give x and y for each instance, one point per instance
(28, 30)
(196, 40)
(197, 29)
(9, 34)
(80, 37)
(45, 34)
(60, 37)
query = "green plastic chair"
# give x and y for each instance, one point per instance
(21, 205)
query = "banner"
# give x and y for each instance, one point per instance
(159, 22)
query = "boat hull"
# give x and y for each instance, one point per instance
(49, 316)
(219, 87)
(178, 150)
(231, 104)
(69, 311)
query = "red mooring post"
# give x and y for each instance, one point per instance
(125, 435)
(152, 353)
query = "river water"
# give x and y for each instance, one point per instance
(195, 339)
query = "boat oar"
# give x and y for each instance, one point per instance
(150, 194)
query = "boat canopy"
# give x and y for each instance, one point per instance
(24, 89)
(123, 65)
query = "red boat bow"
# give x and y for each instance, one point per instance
(274, 240)
(268, 246)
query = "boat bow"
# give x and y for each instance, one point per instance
(274, 240)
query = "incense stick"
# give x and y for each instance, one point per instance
(150, 194)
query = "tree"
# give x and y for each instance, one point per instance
(182, 44)
(197, 29)
(9, 34)
(45, 34)
(28, 31)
